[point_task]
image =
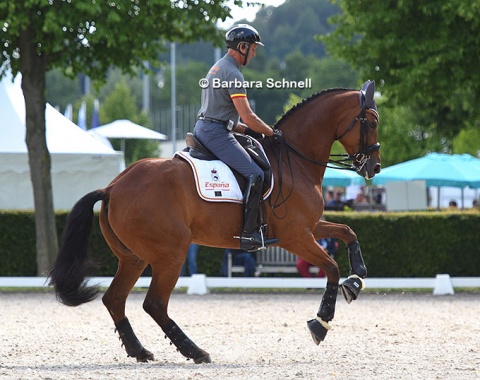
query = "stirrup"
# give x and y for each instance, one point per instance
(255, 241)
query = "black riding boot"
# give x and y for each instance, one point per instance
(251, 239)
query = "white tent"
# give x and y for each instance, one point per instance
(126, 129)
(80, 163)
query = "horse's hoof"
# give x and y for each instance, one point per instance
(318, 329)
(145, 356)
(351, 288)
(202, 357)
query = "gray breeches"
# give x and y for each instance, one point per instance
(215, 137)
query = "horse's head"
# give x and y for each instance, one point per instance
(363, 147)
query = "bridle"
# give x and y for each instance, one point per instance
(359, 159)
(349, 162)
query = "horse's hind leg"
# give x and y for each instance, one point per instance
(114, 299)
(129, 270)
(156, 305)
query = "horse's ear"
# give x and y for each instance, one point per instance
(367, 95)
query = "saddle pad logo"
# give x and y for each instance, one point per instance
(216, 186)
(215, 176)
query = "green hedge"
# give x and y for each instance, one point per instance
(420, 244)
(17, 244)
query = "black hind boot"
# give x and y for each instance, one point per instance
(252, 240)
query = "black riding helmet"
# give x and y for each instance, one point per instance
(242, 34)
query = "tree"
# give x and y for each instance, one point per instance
(61, 90)
(121, 104)
(467, 141)
(323, 72)
(293, 25)
(86, 37)
(401, 138)
(422, 54)
(188, 91)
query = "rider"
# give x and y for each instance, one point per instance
(224, 102)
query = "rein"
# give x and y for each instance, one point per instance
(321, 163)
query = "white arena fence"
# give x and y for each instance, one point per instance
(199, 284)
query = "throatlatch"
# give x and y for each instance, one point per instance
(132, 345)
(183, 343)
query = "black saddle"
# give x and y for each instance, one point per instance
(198, 151)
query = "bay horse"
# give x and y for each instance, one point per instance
(151, 213)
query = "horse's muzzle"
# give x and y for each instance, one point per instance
(370, 168)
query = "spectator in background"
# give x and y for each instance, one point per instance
(242, 258)
(329, 196)
(191, 261)
(336, 203)
(303, 267)
(452, 204)
(361, 200)
(475, 204)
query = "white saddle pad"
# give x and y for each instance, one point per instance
(215, 181)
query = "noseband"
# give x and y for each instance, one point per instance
(359, 159)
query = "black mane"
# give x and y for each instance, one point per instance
(299, 105)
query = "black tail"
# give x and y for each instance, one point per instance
(71, 266)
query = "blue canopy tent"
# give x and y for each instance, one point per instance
(343, 178)
(436, 169)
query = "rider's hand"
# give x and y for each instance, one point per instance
(271, 132)
(255, 135)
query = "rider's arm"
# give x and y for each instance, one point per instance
(241, 127)
(250, 118)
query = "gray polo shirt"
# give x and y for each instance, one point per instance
(226, 82)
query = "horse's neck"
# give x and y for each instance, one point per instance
(311, 131)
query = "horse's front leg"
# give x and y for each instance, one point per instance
(319, 326)
(352, 286)
(316, 255)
